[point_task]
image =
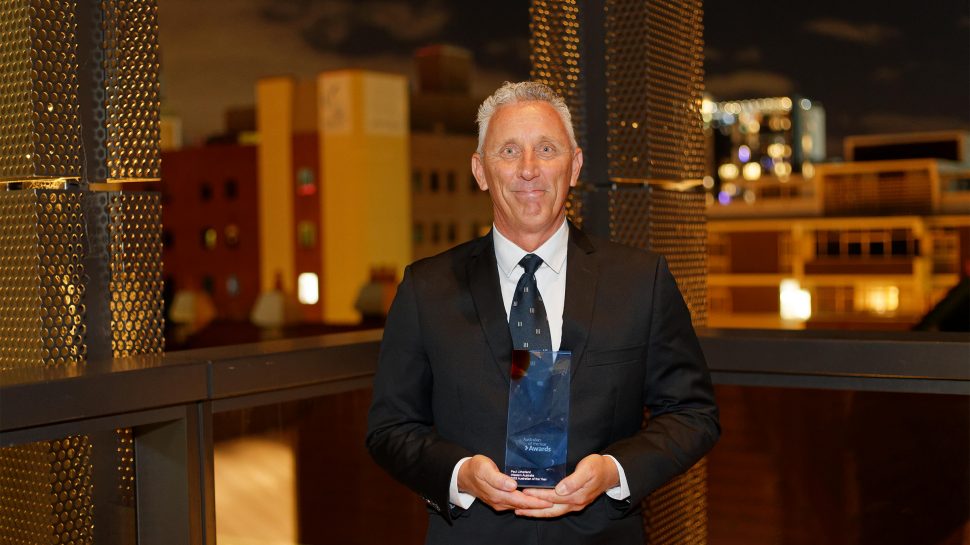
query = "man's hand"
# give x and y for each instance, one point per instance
(594, 475)
(481, 478)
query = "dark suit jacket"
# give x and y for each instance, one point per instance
(442, 384)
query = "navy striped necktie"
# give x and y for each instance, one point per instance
(527, 318)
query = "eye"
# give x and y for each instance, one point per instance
(508, 151)
(546, 150)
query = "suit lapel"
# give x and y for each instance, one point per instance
(487, 294)
(581, 276)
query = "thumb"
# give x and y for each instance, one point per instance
(566, 486)
(502, 481)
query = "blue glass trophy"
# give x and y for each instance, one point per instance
(538, 423)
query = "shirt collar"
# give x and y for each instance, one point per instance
(552, 251)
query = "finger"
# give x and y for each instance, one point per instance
(574, 481)
(578, 499)
(517, 500)
(488, 473)
(557, 510)
(500, 481)
(547, 494)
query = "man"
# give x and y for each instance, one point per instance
(438, 419)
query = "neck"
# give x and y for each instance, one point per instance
(528, 240)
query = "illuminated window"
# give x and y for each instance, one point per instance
(795, 302)
(308, 288)
(306, 234)
(209, 238)
(232, 235)
(232, 285)
(305, 182)
(879, 299)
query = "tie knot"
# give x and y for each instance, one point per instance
(530, 263)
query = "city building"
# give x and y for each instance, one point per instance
(300, 165)
(448, 206)
(758, 142)
(870, 244)
(210, 235)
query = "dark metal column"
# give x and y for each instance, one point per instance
(632, 74)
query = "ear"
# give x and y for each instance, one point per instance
(478, 169)
(577, 166)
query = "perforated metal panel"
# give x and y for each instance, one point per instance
(125, 455)
(671, 223)
(574, 206)
(41, 272)
(131, 91)
(555, 54)
(678, 230)
(135, 247)
(46, 269)
(39, 129)
(655, 82)
(653, 61)
(47, 493)
(676, 513)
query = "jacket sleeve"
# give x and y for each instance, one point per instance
(683, 417)
(401, 436)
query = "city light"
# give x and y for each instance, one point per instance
(752, 171)
(308, 288)
(881, 299)
(796, 303)
(744, 153)
(728, 171)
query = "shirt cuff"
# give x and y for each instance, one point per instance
(621, 492)
(463, 499)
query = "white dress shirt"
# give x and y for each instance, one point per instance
(551, 280)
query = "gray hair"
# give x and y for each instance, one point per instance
(523, 91)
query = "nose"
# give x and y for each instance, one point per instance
(529, 166)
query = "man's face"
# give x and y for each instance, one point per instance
(528, 165)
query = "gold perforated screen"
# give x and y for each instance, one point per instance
(671, 223)
(574, 206)
(676, 513)
(655, 82)
(654, 85)
(39, 128)
(47, 493)
(135, 248)
(131, 101)
(556, 49)
(41, 278)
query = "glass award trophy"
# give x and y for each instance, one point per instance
(538, 423)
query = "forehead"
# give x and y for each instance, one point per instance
(526, 121)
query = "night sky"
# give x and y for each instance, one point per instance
(874, 69)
